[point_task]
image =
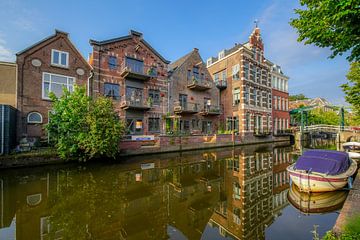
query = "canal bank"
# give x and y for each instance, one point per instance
(164, 144)
(167, 144)
(351, 207)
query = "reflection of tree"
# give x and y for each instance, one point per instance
(75, 208)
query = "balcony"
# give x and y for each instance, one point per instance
(210, 110)
(199, 84)
(186, 108)
(221, 84)
(261, 132)
(138, 103)
(137, 71)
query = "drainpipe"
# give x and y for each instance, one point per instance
(88, 82)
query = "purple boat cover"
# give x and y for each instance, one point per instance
(324, 161)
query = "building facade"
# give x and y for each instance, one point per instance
(134, 75)
(193, 96)
(8, 77)
(47, 66)
(243, 76)
(280, 110)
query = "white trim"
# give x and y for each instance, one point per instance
(59, 64)
(67, 82)
(28, 115)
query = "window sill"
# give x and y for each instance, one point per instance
(59, 66)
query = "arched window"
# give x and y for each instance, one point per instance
(34, 117)
(33, 200)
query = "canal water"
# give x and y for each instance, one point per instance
(228, 193)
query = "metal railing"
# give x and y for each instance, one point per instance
(142, 101)
(199, 82)
(181, 107)
(221, 83)
(211, 109)
(139, 69)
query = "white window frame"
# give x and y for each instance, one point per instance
(43, 85)
(28, 115)
(59, 64)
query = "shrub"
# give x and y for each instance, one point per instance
(82, 127)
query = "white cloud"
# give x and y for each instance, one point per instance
(5, 53)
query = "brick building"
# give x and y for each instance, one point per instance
(280, 110)
(134, 75)
(193, 96)
(243, 76)
(47, 66)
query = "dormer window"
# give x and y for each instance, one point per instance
(221, 54)
(59, 58)
(209, 62)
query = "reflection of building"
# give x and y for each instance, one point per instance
(193, 95)
(281, 160)
(237, 191)
(246, 206)
(132, 73)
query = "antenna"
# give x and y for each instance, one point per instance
(256, 22)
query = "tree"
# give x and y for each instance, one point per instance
(330, 23)
(297, 97)
(352, 89)
(82, 127)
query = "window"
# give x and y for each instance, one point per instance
(236, 96)
(134, 95)
(134, 125)
(112, 90)
(155, 96)
(196, 72)
(236, 72)
(279, 103)
(134, 65)
(55, 83)
(269, 98)
(247, 95)
(221, 54)
(59, 58)
(216, 77)
(112, 62)
(247, 122)
(154, 124)
(224, 75)
(246, 71)
(34, 117)
(252, 72)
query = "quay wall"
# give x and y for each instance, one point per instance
(163, 144)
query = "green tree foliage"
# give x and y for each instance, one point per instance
(352, 89)
(297, 97)
(319, 116)
(82, 127)
(330, 23)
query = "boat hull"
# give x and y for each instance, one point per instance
(319, 182)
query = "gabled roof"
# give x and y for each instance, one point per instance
(42, 41)
(175, 65)
(53, 37)
(130, 36)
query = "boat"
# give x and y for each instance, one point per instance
(315, 203)
(322, 170)
(353, 148)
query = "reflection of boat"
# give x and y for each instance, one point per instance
(353, 148)
(322, 170)
(316, 202)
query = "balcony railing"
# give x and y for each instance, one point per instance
(137, 71)
(183, 108)
(199, 84)
(261, 132)
(211, 110)
(221, 84)
(137, 103)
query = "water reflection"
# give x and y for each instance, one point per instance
(227, 193)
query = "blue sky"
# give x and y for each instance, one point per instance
(174, 28)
